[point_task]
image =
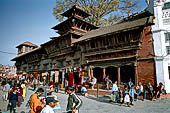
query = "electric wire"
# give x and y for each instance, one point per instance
(7, 52)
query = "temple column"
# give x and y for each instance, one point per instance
(49, 76)
(91, 72)
(118, 75)
(136, 75)
(104, 73)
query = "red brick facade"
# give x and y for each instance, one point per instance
(146, 64)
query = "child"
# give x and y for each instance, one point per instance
(120, 95)
(13, 99)
(20, 93)
(84, 90)
(126, 98)
(132, 92)
(74, 102)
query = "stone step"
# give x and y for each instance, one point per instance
(165, 96)
(101, 92)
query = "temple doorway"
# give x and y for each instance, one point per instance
(98, 74)
(112, 73)
(127, 73)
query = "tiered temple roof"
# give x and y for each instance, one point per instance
(75, 23)
(27, 44)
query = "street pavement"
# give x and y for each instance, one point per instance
(92, 104)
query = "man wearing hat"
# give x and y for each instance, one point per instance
(50, 104)
(74, 102)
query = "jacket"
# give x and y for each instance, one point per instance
(35, 104)
(74, 102)
(13, 96)
(132, 92)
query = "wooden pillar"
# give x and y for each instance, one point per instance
(49, 76)
(136, 75)
(91, 72)
(118, 74)
(97, 90)
(104, 73)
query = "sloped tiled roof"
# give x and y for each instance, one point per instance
(23, 54)
(118, 27)
(27, 43)
(58, 26)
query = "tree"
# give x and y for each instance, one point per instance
(103, 12)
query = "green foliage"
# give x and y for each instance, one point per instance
(103, 12)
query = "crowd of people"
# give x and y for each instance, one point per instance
(38, 105)
(130, 92)
(14, 91)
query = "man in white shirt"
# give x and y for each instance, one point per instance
(139, 89)
(6, 90)
(50, 101)
(94, 81)
(114, 92)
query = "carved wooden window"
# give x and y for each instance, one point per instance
(34, 67)
(113, 40)
(87, 45)
(97, 43)
(38, 66)
(77, 61)
(110, 40)
(18, 68)
(63, 43)
(45, 66)
(30, 67)
(121, 39)
(92, 45)
(26, 49)
(19, 50)
(134, 37)
(106, 41)
(101, 43)
(25, 68)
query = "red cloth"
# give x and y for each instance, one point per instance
(70, 79)
(80, 80)
(84, 84)
(51, 83)
(14, 87)
(20, 91)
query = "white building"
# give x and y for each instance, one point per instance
(7, 70)
(161, 41)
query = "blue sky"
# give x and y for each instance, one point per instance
(27, 20)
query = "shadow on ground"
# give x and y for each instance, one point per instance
(100, 99)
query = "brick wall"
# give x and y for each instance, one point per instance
(146, 72)
(146, 50)
(146, 63)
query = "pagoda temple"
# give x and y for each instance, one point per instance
(60, 49)
(122, 51)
